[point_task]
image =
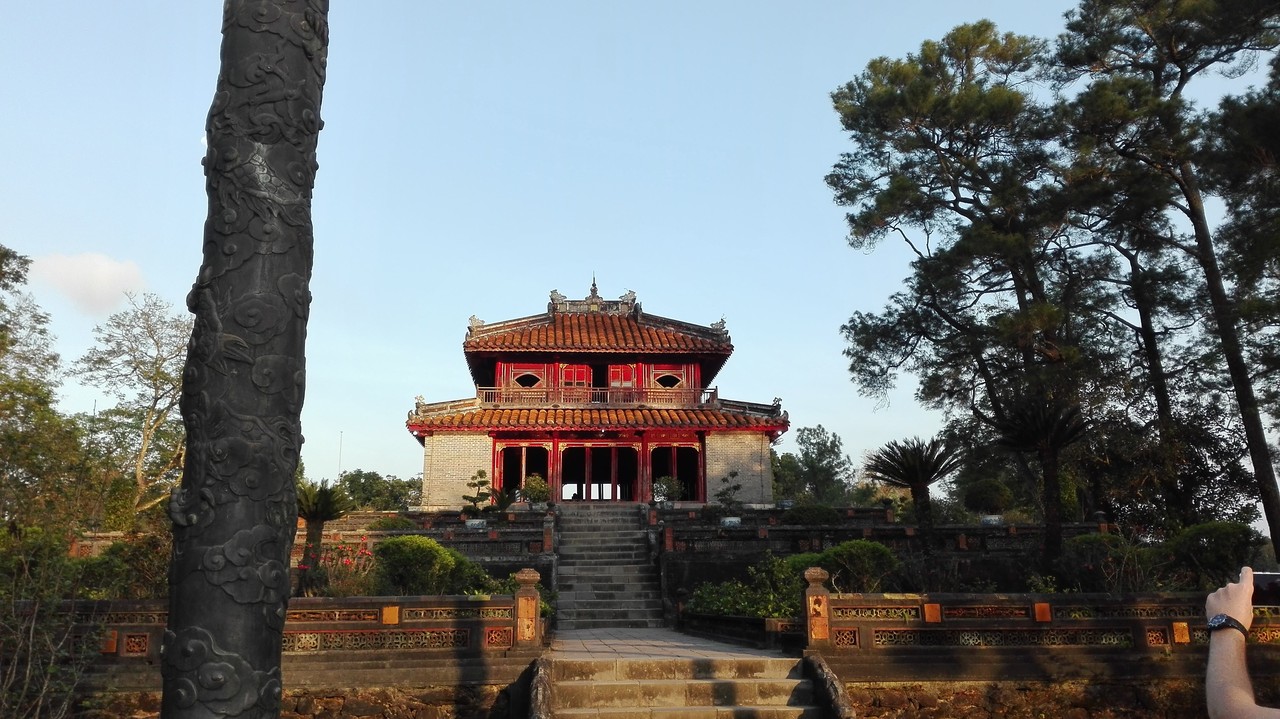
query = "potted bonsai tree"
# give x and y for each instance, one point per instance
(479, 484)
(990, 498)
(536, 492)
(667, 490)
(730, 513)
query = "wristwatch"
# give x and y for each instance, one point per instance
(1223, 621)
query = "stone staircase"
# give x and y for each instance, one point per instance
(683, 688)
(605, 577)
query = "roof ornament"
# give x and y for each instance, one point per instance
(593, 302)
(719, 326)
(474, 323)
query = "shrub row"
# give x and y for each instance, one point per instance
(774, 586)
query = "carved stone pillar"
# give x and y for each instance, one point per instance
(235, 513)
(817, 609)
(528, 610)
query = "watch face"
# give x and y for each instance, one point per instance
(1223, 621)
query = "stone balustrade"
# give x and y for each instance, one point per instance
(339, 630)
(981, 637)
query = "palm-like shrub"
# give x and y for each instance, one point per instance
(317, 503)
(915, 464)
(1044, 429)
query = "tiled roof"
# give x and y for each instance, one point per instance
(634, 333)
(598, 419)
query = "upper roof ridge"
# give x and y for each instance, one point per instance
(593, 302)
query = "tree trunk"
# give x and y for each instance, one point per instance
(924, 515)
(234, 514)
(1049, 465)
(1224, 315)
(311, 553)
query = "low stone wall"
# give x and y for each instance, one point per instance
(354, 641)
(432, 702)
(1099, 698)
(1032, 637)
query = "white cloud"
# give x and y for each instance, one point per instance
(94, 283)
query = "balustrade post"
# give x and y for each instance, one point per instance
(817, 609)
(528, 610)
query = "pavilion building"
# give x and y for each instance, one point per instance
(600, 399)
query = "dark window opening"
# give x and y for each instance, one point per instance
(599, 473)
(682, 463)
(520, 462)
(528, 380)
(669, 381)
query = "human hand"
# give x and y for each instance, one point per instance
(1235, 599)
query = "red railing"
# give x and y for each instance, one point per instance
(578, 396)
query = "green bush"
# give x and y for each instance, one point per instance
(797, 563)
(134, 568)
(858, 565)
(1106, 563)
(772, 589)
(44, 651)
(1205, 556)
(728, 599)
(414, 564)
(392, 524)
(811, 514)
(988, 496)
(536, 489)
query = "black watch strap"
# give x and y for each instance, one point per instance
(1224, 621)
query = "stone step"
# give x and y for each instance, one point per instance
(647, 609)
(686, 668)
(589, 567)
(571, 535)
(586, 554)
(620, 552)
(614, 585)
(589, 556)
(606, 610)
(708, 712)
(640, 592)
(621, 528)
(590, 540)
(605, 577)
(650, 620)
(632, 573)
(608, 591)
(617, 523)
(629, 623)
(756, 692)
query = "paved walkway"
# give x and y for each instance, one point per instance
(646, 643)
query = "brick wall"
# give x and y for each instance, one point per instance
(448, 461)
(746, 452)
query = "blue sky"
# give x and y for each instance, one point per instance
(475, 156)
